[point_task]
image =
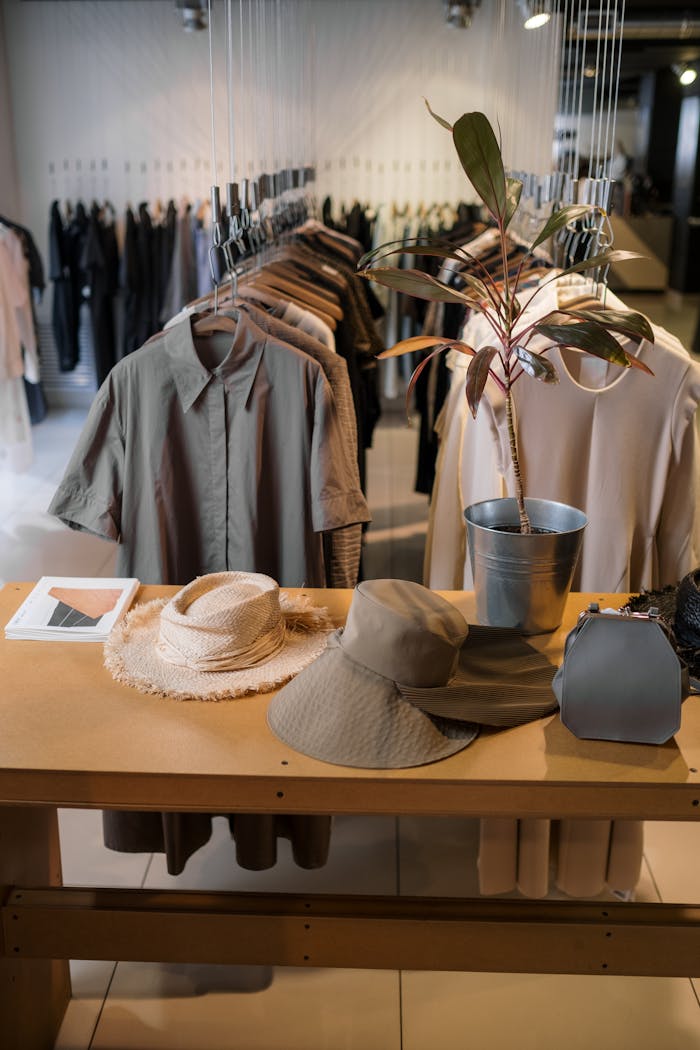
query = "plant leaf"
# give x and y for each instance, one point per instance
(414, 282)
(481, 159)
(536, 365)
(436, 246)
(440, 120)
(558, 219)
(605, 258)
(634, 325)
(477, 374)
(514, 188)
(472, 282)
(593, 339)
(422, 342)
(415, 342)
(423, 364)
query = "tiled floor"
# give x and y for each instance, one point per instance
(148, 1006)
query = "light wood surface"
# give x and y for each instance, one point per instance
(70, 735)
(73, 736)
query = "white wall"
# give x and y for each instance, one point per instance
(110, 98)
(9, 187)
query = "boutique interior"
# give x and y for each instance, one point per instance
(117, 119)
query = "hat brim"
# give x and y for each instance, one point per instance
(131, 656)
(341, 712)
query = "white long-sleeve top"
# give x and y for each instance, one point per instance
(617, 443)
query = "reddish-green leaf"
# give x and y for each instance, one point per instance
(423, 342)
(418, 371)
(414, 282)
(514, 189)
(626, 322)
(603, 259)
(415, 342)
(477, 374)
(440, 248)
(593, 339)
(481, 159)
(440, 120)
(560, 218)
(536, 365)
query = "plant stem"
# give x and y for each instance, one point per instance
(525, 526)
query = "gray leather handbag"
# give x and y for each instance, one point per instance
(621, 678)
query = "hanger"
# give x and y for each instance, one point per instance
(211, 322)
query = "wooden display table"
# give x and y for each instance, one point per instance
(71, 736)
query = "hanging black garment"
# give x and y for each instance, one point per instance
(75, 237)
(146, 320)
(131, 282)
(64, 332)
(100, 263)
(167, 250)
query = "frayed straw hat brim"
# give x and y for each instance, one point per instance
(131, 656)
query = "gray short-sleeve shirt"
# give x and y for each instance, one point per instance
(194, 470)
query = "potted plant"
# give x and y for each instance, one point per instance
(542, 532)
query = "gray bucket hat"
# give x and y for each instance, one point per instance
(407, 682)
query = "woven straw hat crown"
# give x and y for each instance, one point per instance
(223, 621)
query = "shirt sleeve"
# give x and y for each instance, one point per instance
(678, 535)
(336, 498)
(89, 497)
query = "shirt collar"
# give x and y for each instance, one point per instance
(237, 371)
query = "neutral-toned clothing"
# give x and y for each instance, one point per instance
(194, 471)
(345, 544)
(16, 321)
(308, 322)
(617, 443)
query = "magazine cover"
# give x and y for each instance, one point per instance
(73, 608)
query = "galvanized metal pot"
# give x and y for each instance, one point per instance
(523, 581)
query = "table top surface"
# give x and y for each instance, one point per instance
(70, 734)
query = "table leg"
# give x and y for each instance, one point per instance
(34, 993)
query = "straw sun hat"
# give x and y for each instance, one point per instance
(223, 635)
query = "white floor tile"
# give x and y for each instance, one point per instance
(153, 1009)
(362, 859)
(673, 852)
(90, 981)
(34, 544)
(85, 859)
(454, 1011)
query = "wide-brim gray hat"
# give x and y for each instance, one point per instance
(407, 682)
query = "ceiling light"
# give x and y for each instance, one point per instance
(686, 74)
(534, 13)
(193, 15)
(458, 14)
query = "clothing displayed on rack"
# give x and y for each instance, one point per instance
(637, 536)
(149, 244)
(19, 359)
(36, 401)
(193, 470)
(66, 247)
(285, 500)
(100, 264)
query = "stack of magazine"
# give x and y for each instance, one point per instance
(72, 609)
